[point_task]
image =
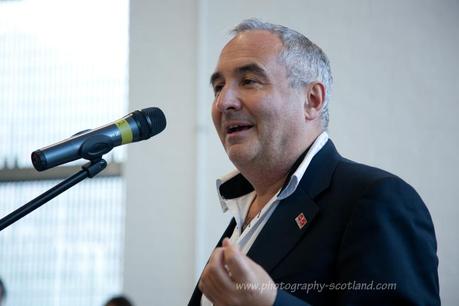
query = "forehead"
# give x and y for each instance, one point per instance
(250, 47)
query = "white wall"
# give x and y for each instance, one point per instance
(395, 70)
(160, 174)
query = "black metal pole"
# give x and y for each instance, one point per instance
(90, 170)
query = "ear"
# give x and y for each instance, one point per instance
(314, 100)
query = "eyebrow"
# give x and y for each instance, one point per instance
(249, 68)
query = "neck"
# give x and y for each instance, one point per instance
(265, 192)
(268, 177)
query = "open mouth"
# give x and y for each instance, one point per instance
(237, 128)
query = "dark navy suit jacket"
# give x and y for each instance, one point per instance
(365, 227)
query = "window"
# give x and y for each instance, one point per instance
(63, 69)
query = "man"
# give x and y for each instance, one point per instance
(309, 227)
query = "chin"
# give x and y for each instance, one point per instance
(239, 155)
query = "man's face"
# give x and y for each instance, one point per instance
(258, 116)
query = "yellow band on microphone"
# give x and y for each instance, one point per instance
(125, 131)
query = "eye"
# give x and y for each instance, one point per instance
(249, 81)
(217, 89)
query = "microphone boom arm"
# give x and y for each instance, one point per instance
(90, 170)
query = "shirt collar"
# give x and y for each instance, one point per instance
(234, 185)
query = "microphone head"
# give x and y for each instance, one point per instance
(156, 120)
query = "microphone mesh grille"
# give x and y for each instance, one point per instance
(156, 119)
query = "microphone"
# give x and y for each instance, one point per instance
(92, 144)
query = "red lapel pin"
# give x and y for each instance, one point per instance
(301, 220)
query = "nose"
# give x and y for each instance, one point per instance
(228, 100)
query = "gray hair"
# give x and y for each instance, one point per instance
(305, 61)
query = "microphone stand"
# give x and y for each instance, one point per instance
(90, 170)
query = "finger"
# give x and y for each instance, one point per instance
(220, 273)
(215, 279)
(236, 262)
(208, 270)
(216, 250)
(232, 249)
(207, 284)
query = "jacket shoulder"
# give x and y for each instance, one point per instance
(349, 172)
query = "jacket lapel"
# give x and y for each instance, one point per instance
(284, 228)
(197, 294)
(282, 231)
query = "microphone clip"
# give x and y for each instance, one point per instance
(96, 146)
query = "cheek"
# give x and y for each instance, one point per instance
(214, 113)
(272, 113)
(216, 117)
(282, 119)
